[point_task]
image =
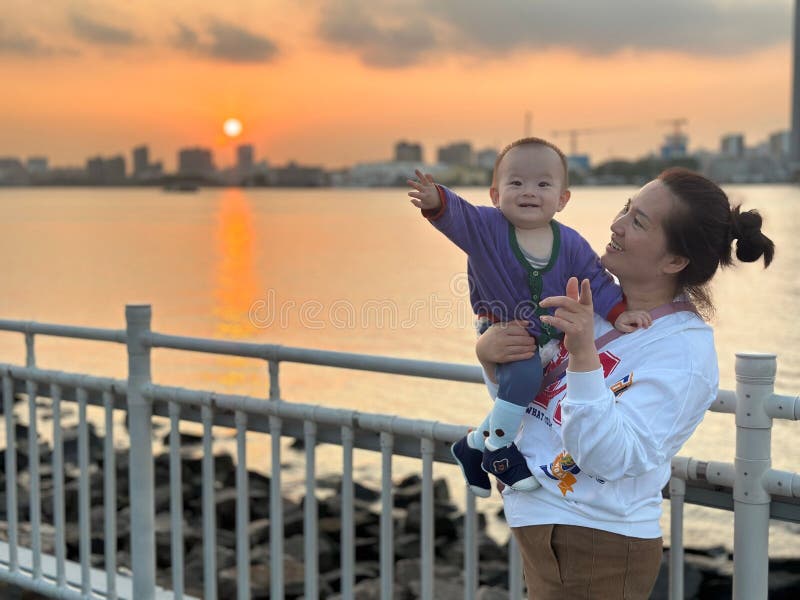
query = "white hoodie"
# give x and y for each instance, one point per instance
(600, 442)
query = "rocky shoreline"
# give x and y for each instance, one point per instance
(708, 572)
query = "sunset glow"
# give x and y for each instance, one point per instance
(309, 88)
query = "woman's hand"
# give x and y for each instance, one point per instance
(575, 317)
(504, 342)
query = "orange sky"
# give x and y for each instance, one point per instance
(335, 82)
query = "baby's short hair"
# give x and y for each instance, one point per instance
(535, 141)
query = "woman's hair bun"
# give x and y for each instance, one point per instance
(751, 243)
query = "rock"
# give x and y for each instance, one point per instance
(492, 593)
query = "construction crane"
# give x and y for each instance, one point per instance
(676, 122)
(574, 133)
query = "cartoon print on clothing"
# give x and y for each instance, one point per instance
(563, 469)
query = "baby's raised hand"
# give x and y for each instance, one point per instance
(424, 196)
(631, 320)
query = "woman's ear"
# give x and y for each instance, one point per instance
(675, 264)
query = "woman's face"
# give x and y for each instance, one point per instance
(637, 251)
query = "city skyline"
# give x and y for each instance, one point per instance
(337, 83)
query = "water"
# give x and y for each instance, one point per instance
(340, 269)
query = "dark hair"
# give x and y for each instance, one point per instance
(703, 228)
(534, 141)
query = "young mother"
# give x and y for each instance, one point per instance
(600, 438)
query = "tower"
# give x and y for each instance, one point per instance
(795, 139)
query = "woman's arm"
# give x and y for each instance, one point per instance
(614, 436)
(504, 342)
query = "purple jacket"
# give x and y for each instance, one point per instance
(503, 285)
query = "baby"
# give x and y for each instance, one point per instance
(517, 255)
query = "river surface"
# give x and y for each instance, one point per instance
(349, 270)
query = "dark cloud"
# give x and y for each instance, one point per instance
(226, 42)
(94, 32)
(21, 44)
(709, 27)
(381, 40)
(387, 33)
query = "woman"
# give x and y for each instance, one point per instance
(600, 438)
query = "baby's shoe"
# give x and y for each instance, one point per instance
(509, 466)
(469, 459)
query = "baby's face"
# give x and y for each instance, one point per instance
(530, 186)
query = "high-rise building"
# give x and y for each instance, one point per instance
(459, 153)
(244, 158)
(795, 135)
(37, 165)
(732, 145)
(407, 152)
(780, 144)
(195, 162)
(141, 161)
(486, 158)
(101, 170)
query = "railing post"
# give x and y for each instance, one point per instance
(677, 495)
(143, 562)
(755, 380)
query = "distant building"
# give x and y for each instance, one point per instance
(381, 174)
(295, 175)
(37, 165)
(195, 162)
(459, 153)
(141, 161)
(675, 146)
(12, 172)
(244, 159)
(780, 144)
(579, 163)
(407, 152)
(114, 170)
(106, 171)
(486, 158)
(732, 145)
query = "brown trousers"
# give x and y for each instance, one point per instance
(563, 562)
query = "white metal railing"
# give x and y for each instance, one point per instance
(757, 491)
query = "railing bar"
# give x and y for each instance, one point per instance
(514, 569)
(426, 535)
(110, 498)
(35, 507)
(347, 541)
(276, 511)
(209, 508)
(70, 331)
(325, 358)
(387, 518)
(176, 500)
(310, 525)
(470, 547)
(242, 508)
(84, 504)
(58, 487)
(11, 472)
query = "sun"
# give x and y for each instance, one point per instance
(232, 127)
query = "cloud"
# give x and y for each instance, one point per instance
(226, 42)
(392, 34)
(381, 40)
(21, 44)
(94, 32)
